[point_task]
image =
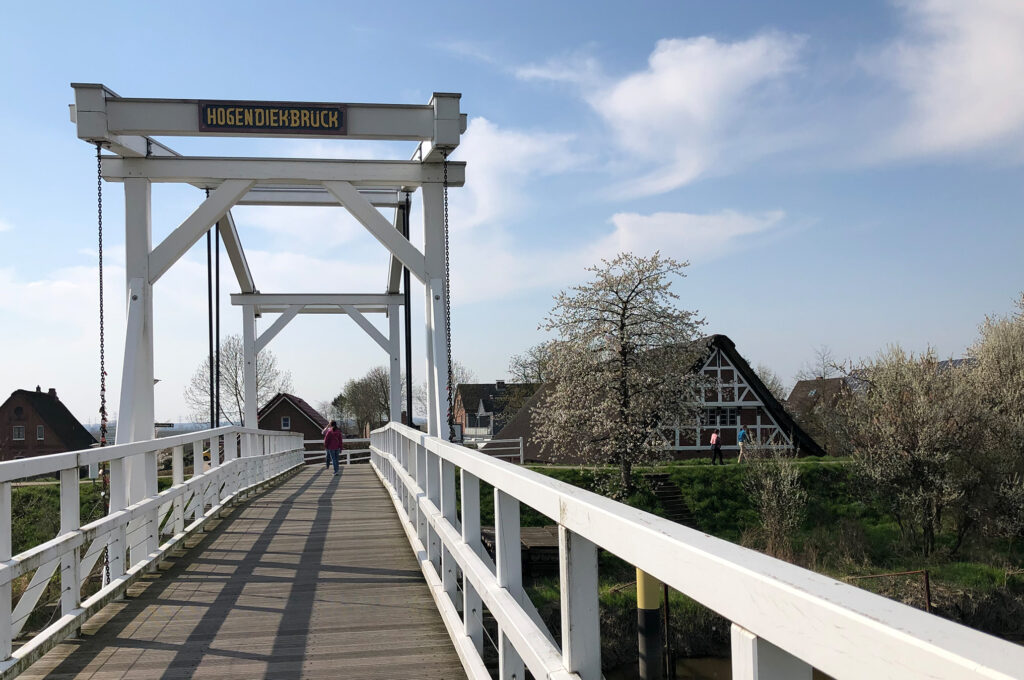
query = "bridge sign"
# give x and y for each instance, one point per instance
(273, 117)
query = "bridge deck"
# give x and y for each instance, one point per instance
(314, 578)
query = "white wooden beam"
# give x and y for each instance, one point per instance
(755, 658)
(89, 114)
(198, 223)
(581, 615)
(276, 327)
(288, 299)
(312, 196)
(395, 373)
(233, 247)
(370, 329)
(251, 407)
(323, 309)
(180, 117)
(380, 228)
(211, 172)
(395, 265)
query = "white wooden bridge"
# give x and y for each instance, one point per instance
(262, 567)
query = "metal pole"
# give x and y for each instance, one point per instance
(216, 297)
(408, 323)
(209, 318)
(648, 625)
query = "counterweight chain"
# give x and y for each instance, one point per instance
(105, 473)
(448, 308)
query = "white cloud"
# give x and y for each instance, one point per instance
(961, 67)
(500, 162)
(579, 68)
(684, 235)
(5, 226)
(698, 104)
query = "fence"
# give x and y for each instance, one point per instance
(785, 620)
(511, 449)
(348, 456)
(134, 538)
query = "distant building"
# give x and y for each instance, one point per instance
(808, 395)
(36, 424)
(288, 413)
(735, 397)
(482, 409)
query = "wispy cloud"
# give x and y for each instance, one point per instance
(960, 68)
(5, 226)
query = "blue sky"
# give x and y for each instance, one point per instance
(841, 174)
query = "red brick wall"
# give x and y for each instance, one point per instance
(271, 420)
(30, 446)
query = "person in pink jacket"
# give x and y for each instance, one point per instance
(333, 441)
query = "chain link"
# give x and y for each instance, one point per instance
(105, 473)
(448, 307)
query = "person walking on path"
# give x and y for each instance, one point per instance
(333, 441)
(742, 439)
(716, 447)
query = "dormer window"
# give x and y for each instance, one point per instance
(286, 423)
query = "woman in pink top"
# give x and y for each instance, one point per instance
(716, 448)
(333, 441)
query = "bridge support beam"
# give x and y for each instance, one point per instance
(395, 367)
(434, 310)
(250, 418)
(133, 481)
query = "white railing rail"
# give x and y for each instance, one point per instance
(785, 620)
(229, 463)
(348, 456)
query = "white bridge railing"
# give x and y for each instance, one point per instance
(134, 537)
(347, 457)
(785, 620)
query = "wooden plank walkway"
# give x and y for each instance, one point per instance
(313, 579)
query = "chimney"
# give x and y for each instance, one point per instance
(52, 392)
(38, 388)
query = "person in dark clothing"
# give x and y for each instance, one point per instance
(333, 441)
(716, 448)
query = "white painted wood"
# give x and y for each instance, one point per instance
(756, 659)
(395, 366)
(508, 562)
(209, 212)
(313, 195)
(180, 117)
(472, 605)
(30, 596)
(70, 521)
(379, 227)
(825, 623)
(358, 300)
(276, 327)
(249, 376)
(581, 615)
(6, 629)
(433, 425)
(433, 489)
(368, 327)
(177, 478)
(236, 255)
(449, 578)
(209, 171)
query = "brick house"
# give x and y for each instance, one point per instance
(482, 409)
(37, 424)
(288, 413)
(735, 396)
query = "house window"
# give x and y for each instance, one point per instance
(19, 412)
(286, 423)
(725, 417)
(39, 432)
(19, 433)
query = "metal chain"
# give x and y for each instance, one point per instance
(448, 306)
(105, 473)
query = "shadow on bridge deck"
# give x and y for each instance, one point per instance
(313, 578)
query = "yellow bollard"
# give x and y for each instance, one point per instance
(648, 625)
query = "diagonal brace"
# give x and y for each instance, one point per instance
(276, 327)
(370, 329)
(198, 223)
(379, 227)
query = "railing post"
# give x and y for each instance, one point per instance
(70, 520)
(581, 616)
(434, 496)
(116, 544)
(448, 564)
(521, 451)
(648, 625)
(754, 658)
(421, 482)
(509, 566)
(6, 627)
(178, 477)
(472, 606)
